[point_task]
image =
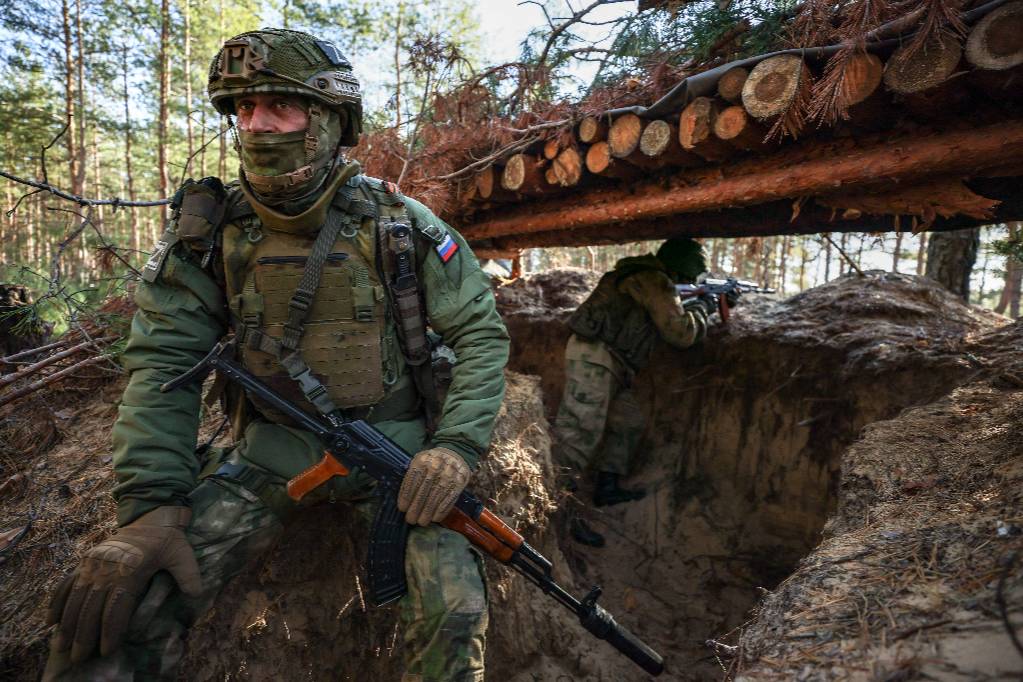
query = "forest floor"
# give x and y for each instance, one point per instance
(835, 493)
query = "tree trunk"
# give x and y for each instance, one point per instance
(950, 259)
(79, 184)
(186, 9)
(920, 253)
(161, 122)
(897, 253)
(1010, 298)
(136, 234)
(69, 97)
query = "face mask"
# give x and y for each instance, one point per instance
(271, 154)
(271, 161)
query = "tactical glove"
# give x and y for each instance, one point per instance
(96, 602)
(432, 484)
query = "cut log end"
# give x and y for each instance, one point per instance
(592, 129)
(551, 148)
(485, 182)
(624, 135)
(696, 130)
(599, 161)
(996, 42)
(523, 173)
(911, 71)
(567, 168)
(656, 138)
(730, 84)
(736, 127)
(862, 77)
(772, 85)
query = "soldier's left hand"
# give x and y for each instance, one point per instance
(431, 485)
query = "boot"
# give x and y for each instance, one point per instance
(608, 491)
(583, 534)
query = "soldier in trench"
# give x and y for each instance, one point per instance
(599, 422)
(299, 260)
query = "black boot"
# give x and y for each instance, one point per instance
(583, 534)
(608, 491)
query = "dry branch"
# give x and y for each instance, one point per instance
(56, 376)
(8, 379)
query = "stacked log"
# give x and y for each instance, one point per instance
(696, 130)
(995, 47)
(773, 86)
(524, 174)
(730, 84)
(660, 142)
(920, 75)
(749, 102)
(623, 141)
(488, 185)
(567, 168)
(739, 129)
(593, 129)
(600, 161)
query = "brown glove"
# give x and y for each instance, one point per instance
(432, 484)
(96, 602)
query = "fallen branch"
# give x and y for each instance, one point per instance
(11, 359)
(46, 362)
(56, 376)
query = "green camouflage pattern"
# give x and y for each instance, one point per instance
(443, 616)
(599, 422)
(182, 312)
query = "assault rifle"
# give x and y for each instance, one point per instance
(353, 443)
(717, 292)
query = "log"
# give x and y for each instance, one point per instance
(739, 129)
(567, 167)
(660, 142)
(763, 220)
(592, 130)
(524, 174)
(623, 141)
(696, 130)
(488, 185)
(730, 84)
(863, 74)
(996, 41)
(551, 148)
(885, 159)
(910, 71)
(772, 86)
(599, 161)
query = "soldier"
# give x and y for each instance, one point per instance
(599, 422)
(319, 272)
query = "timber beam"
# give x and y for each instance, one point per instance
(773, 218)
(703, 198)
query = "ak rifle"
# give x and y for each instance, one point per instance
(718, 291)
(354, 443)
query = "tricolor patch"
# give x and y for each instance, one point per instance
(447, 248)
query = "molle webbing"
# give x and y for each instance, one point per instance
(298, 306)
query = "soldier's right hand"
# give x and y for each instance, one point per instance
(95, 603)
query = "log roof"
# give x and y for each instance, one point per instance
(908, 127)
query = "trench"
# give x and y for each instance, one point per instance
(741, 455)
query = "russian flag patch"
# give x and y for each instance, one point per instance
(447, 248)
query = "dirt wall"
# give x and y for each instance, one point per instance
(742, 454)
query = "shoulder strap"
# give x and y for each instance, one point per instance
(396, 264)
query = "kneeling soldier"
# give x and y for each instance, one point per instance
(319, 272)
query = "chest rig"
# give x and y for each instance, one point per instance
(333, 318)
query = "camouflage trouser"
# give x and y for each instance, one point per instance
(444, 614)
(597, 407)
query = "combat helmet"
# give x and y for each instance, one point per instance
(684, 256)
(282, 61)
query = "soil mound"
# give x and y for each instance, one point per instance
(919, 571)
